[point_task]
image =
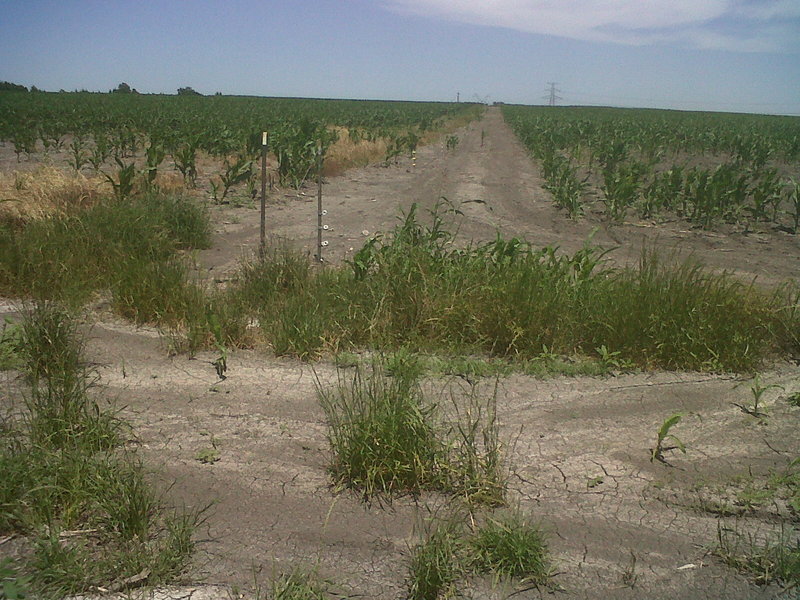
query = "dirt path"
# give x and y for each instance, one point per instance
(578, 448)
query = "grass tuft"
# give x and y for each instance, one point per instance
(382, 434)
(511, 545)
(436, 565)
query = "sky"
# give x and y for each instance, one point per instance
(721, 55)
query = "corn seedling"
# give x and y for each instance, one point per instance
(664, 435)
(758, 391)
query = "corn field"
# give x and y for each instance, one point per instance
(104, 132)
(709, 169)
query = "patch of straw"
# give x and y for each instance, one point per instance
(347, 154)
(46, 191)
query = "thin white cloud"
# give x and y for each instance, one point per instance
(738, 25)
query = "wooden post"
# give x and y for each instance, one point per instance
(319, 202)
(262, 249)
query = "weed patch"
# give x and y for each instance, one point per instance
(509, 546)
(70, 487)
(416, 290)
(128, 248)
(774, 559)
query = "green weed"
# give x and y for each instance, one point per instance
(10, 343)
(774, 559)
(388, 439)
(382, 434)
(511, 545)
(299, 584)
(436, 563)
(505, 547)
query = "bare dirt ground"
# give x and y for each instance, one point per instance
(619, 525)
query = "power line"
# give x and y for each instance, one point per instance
(552, 97)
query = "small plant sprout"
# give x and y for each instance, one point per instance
(757, 409)
(664, 435)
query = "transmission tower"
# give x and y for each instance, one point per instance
(552, 94)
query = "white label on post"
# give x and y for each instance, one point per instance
(264, 138)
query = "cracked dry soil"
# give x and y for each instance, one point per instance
(578, 449)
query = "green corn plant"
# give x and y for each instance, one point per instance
(563, 183)
(238, 171)
(766, 194)
(756, 409)
(24, 143)
(621, 189)
(793, 198)
(124, 181)
(78, 153)
(185, 159)
(155, 156)
(663, 435)
(100, 152)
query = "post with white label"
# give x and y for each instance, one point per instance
(319, 203)
(264, 149)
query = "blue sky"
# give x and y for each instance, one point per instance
(729, 55)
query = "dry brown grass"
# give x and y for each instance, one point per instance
(347, 154)
(170, 182)
(46, 191)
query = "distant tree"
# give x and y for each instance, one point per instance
(123, 88)
(7, 86)
(35, 89)
(188, 91)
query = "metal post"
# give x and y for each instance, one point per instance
(264, 149)
(319, 202)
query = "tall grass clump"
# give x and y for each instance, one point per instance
(78, 496)
(129, 248)
(681, 316)
(383, 435)
(417, 289)
(388, 438)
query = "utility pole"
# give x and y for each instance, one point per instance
(458, 96)
(552, 96)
